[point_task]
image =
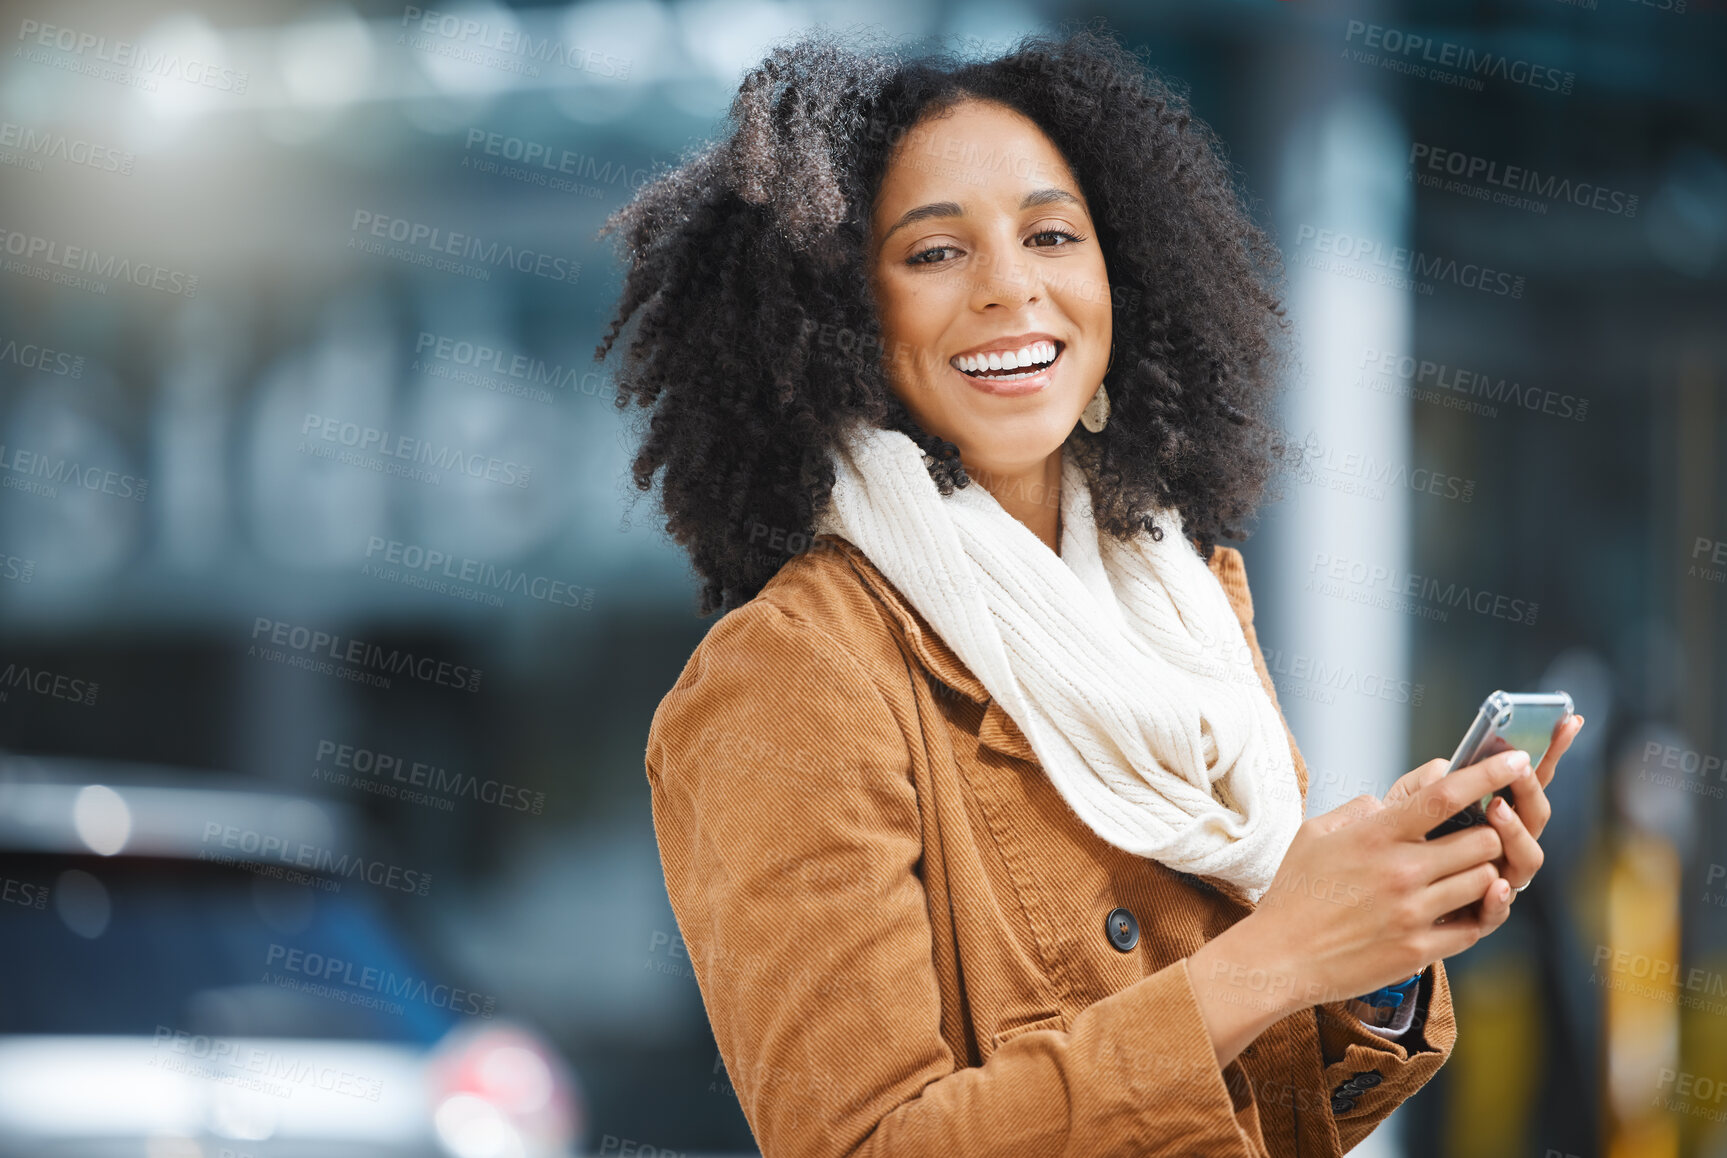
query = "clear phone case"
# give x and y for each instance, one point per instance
(1507, 720)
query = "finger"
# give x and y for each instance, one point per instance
(1563, 733)
(1465, 848)
(1460, 890)
(1473, 922)
(1496, 905)
(1531, 804)
(1407, 784)
(1451, 793)
(1523, 855)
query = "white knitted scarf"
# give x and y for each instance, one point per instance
(1124, 665)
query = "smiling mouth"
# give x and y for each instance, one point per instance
(1009, 365)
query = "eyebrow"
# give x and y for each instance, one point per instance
(953, 208)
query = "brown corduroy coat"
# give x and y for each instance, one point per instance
(897, 924)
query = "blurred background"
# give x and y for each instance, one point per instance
(330, 627)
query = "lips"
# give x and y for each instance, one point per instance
(1009, 357)
(1014, 382)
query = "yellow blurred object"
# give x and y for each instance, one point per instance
(1703, 1045)
(1637, 966)
(1497, 1060)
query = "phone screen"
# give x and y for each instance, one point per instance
(1531, 728)
(1505, 721)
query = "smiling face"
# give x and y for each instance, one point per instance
(991, 287)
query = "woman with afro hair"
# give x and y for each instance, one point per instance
(978, 815)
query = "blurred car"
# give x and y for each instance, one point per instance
(196, 966)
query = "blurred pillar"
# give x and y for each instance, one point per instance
(1343, 172)
(1332, 134)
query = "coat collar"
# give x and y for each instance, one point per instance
(998, 730)
(929, 647)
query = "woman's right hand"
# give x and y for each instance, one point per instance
(1357, 901)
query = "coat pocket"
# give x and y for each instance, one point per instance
(1053, 1021)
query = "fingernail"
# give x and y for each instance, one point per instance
(1518, 759)
(1500, 808)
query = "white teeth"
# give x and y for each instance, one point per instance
(1037, 353)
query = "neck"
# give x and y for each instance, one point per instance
(1031, 495)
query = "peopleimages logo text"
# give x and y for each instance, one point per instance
(30, 465)
(555, 159)
(33, 247)
(41, 144)
(1399, 260)
(1468, 167)
(390, 444)
(479, 357)
(129, 55)
(1400, 587)
(435, 239)
(1473, 383)
(432, 563)
(43, 682)
(365, 656)
(1413, 48)
(30, 356)
(262, 846)
(369, 764)
(462, 30)
(370, 978)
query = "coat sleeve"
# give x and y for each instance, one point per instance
(789, 831)
(1348, 1046)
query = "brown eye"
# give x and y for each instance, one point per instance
(919, 257)
(1062, 233)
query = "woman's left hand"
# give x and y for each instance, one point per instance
(1520, 824)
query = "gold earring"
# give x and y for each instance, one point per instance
(1096, 413)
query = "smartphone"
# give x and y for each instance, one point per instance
(1527, 720)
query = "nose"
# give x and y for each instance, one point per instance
(1004, 277)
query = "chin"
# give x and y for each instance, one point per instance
(1011, 445)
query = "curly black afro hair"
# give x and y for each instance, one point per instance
(757, 341)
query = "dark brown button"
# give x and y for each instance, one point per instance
(1123, 929)
(1342, 1105)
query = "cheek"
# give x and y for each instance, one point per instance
(914, 315)
(1090, 312)
(1096, 297)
